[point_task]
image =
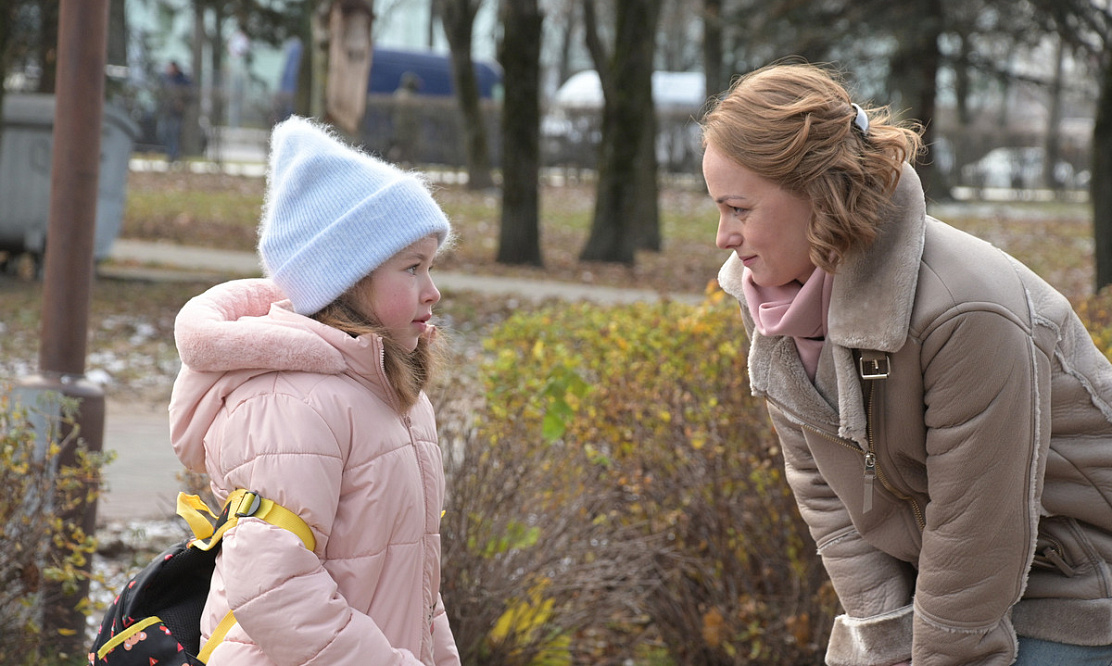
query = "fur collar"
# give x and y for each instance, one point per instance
(870, 308)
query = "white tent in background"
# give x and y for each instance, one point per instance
(672, 91)
(573, 114)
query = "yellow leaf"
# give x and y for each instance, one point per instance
(524, 616)
(712, 627)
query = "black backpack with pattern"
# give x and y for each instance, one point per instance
(156, 619)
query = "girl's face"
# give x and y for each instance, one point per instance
(400, 293)
(764, 224)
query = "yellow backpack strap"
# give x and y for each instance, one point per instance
(217, 637)
(193, 509)
(247, 504)
(240, 504)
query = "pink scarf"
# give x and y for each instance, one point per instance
(795, 310)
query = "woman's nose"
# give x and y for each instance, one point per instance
(728, 236)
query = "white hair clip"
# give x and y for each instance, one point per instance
(862, 120)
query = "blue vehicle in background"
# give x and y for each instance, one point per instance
(389, 68)
(412, 115)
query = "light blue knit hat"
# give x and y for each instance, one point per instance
(334, 213)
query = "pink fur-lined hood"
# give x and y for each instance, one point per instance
(221, 331)
(238, 330)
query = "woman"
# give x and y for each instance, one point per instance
(307, 388)
(945, 418)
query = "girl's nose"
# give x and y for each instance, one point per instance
(432, 294)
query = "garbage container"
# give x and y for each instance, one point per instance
(26, 153)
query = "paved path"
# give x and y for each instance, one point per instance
(168, 261)
(143, 481)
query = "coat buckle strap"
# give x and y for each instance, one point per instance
(873, 365)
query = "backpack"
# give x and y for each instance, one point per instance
(157, 617)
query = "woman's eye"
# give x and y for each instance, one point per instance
(738, 211)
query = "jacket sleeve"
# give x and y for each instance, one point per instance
(291, 608)
(874, 588)
(445, 651)
(280, 592)
(987, 409)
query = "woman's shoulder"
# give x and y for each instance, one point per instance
(960, 272)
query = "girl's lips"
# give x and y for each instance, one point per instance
(748, 259)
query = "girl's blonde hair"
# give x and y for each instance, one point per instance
(408, 372)
(794, 124)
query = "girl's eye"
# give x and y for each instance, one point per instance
(738, 211)
(412, 270)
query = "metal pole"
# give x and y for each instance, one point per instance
(68, 277)
(78, 115)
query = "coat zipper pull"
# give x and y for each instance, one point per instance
(1051, 553)
(870, 476)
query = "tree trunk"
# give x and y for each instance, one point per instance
(117, 33)
(646, 212)
(434, 17)
(712, 48)
(303, 98)
(1053, 146)
(7, 17)
(914, 73)
(349, 64)
(566, 39)
(459, 20)
(115, 86)
(316, 51)
(626, 215)
(191, 140)
(49, 12)
(520, 53)
(219, 82)
(1100, 188)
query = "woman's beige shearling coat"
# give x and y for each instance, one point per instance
(991, 495)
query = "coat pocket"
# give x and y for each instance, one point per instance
(1066, 563)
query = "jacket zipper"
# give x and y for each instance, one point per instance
(1051, 557)
(872, 471)
(408, 421)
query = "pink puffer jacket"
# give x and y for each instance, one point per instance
(302, 413)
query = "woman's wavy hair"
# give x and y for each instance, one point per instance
(794, 124)
(408, 372)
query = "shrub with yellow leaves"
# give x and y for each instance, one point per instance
(625, 441)
(45, 551)
(1096, 313)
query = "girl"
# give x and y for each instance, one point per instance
(307, 388)
(945, 418)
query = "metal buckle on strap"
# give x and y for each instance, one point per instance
(873, 365)
(252, 501)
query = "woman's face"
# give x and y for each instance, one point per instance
(400, 293)
(764, 224)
